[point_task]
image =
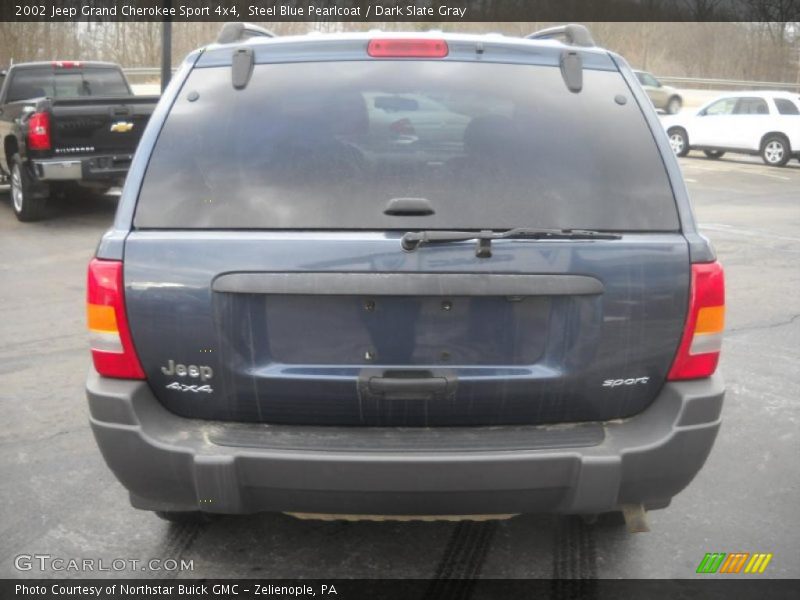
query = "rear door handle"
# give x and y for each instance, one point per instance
(376, 385)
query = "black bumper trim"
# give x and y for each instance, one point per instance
(169, 462)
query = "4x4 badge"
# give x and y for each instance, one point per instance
(182, 387)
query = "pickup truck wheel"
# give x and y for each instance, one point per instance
(27, 206)
(714, 153)
(185, 517)
(679, 141)
(775, 151)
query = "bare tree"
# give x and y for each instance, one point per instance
(702, 10)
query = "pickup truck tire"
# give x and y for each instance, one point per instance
(27, 205)
(775, 150)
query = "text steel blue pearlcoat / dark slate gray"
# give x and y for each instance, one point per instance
(330, 343)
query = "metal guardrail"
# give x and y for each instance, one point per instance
(141, 70)
(154, 72)
(683, 82)
(728, 84)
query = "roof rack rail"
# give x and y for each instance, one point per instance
(573, 34)
(237, 32)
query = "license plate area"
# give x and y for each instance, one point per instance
(331, 319)
(405, 330)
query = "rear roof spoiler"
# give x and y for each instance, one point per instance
(238, 32)
(570, 62)
(573, 34)
(243, 58)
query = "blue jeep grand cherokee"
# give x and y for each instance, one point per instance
(404, 274)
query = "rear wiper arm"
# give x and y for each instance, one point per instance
(414, 239)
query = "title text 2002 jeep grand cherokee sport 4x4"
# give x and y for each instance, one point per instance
(384, 274)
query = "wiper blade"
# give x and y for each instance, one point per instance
(414, 239)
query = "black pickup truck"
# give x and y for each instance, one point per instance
(66, 126)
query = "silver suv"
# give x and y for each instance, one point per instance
(663, 97)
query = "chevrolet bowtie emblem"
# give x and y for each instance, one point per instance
(121, 127)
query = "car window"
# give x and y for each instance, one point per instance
(393, 103)
(751, 106)
(786, 107)
(66, 83)
(721, 107)
(328, 145)
(647, 79)
(650, 80)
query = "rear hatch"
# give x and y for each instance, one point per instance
(265, 278)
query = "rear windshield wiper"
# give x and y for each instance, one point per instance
(414, 239)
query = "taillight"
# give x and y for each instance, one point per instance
(39, 131)
(109, 336)
(698, 353)
(407, 48)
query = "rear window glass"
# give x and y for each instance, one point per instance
(786, 107)
(66, 83)
(328, 145)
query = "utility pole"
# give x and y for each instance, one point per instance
(797, 44)
(166, 47)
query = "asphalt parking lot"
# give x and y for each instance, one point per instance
(59, 499)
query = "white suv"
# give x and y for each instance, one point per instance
(765, 123)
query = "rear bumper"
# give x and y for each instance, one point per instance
(108, 168)
(169, 462)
